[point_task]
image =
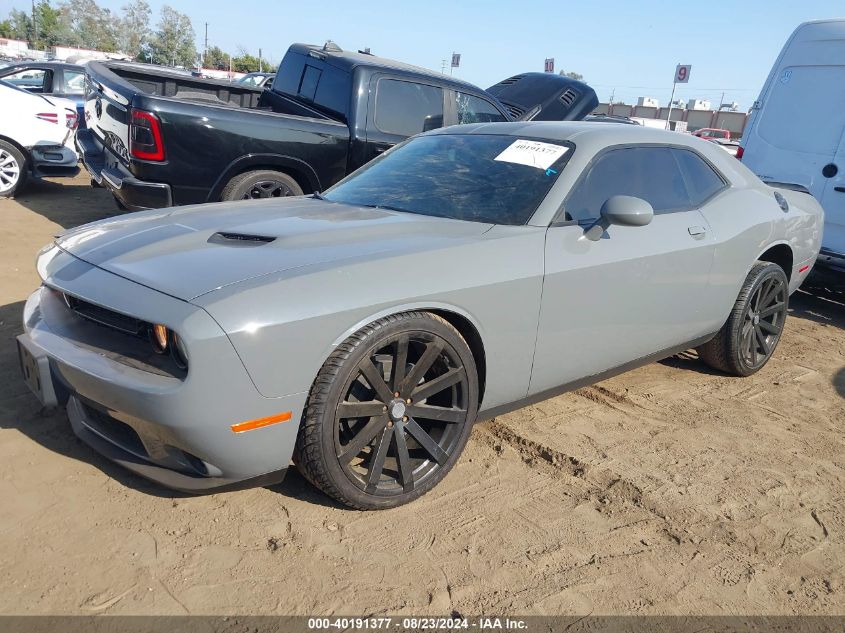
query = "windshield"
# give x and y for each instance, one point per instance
(480, 178)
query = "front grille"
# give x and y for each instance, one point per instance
(568, 97)
(104, 316)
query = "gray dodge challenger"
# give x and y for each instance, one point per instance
(359, 333)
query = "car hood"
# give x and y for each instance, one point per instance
(189, 251)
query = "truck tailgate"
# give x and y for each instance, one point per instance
(107, 116)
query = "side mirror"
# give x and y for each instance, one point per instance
(432, 122)
(627, 211)
(623, 211)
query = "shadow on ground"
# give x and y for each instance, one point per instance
(821, 298)
(21, 411)
(68, 202)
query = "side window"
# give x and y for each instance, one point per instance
(74, 82)
(702, 182)
(32, 79)
(406, 108)
(472, 109)
(650, 173)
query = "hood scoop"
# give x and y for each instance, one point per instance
(240, 239)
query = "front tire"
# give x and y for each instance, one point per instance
(13, 170)
(263, 183)
(389, 413)
(749, 337)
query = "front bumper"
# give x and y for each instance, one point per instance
(174, 431)
(107, 171)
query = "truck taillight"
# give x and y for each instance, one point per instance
(739, 152)
(50, 117)
(71, 120)
(145, 136)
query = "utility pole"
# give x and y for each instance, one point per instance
(205, 50)
(34, 24)
(260, 67)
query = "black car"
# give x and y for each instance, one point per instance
(57, 79)
(157, 139)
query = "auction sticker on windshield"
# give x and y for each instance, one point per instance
(532, 153)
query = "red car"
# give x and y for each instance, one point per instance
(712, 133)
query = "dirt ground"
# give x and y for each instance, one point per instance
(667, 490)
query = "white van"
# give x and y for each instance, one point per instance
(796, 130)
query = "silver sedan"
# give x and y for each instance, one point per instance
(360, 333)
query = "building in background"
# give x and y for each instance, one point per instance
(649, 102)
(698, 104)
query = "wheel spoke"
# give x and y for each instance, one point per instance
(400, 359)
(376, 380)
(426, 441)
(377, 462)
(770, 294)
(761, 339)
(432, 351)
(441, 414)
(362, 439)
(360, 409)
(427, 389)
(777, 307)
(771, 329)
(406, 471)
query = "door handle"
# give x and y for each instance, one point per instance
(697, 231)
(839, 189)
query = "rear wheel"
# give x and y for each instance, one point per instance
(263, 183)
(390, 412)
(13, 169)
(748, 339)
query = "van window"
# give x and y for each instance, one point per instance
(803, 112)
(406, 108)
(650, 173)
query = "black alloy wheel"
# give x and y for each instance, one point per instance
(764, 320)
(267, 189)
(397, 415)
(260, 184)
(749, 337)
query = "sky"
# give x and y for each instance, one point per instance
(627, 49)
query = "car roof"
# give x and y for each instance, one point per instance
(592, 136)
(47, 64)
(348, 60)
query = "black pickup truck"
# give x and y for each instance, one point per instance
(157, 138)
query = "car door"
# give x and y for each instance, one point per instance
(402, 109)
(32, 79)
(636, 291)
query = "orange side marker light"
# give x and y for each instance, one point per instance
(803, 269)
(250, 425)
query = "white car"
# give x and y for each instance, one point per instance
(36, 137)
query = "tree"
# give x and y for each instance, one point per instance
(85, 24)
(572, 75)
(6, 29)
(21, 25)
(173, 41)
(133, 29)
(217, 58)
(50, 29)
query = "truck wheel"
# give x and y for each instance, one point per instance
(13, 169)
(748, 339)
(263, 183)
(389, 413)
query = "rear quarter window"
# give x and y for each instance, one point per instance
(701, 180)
